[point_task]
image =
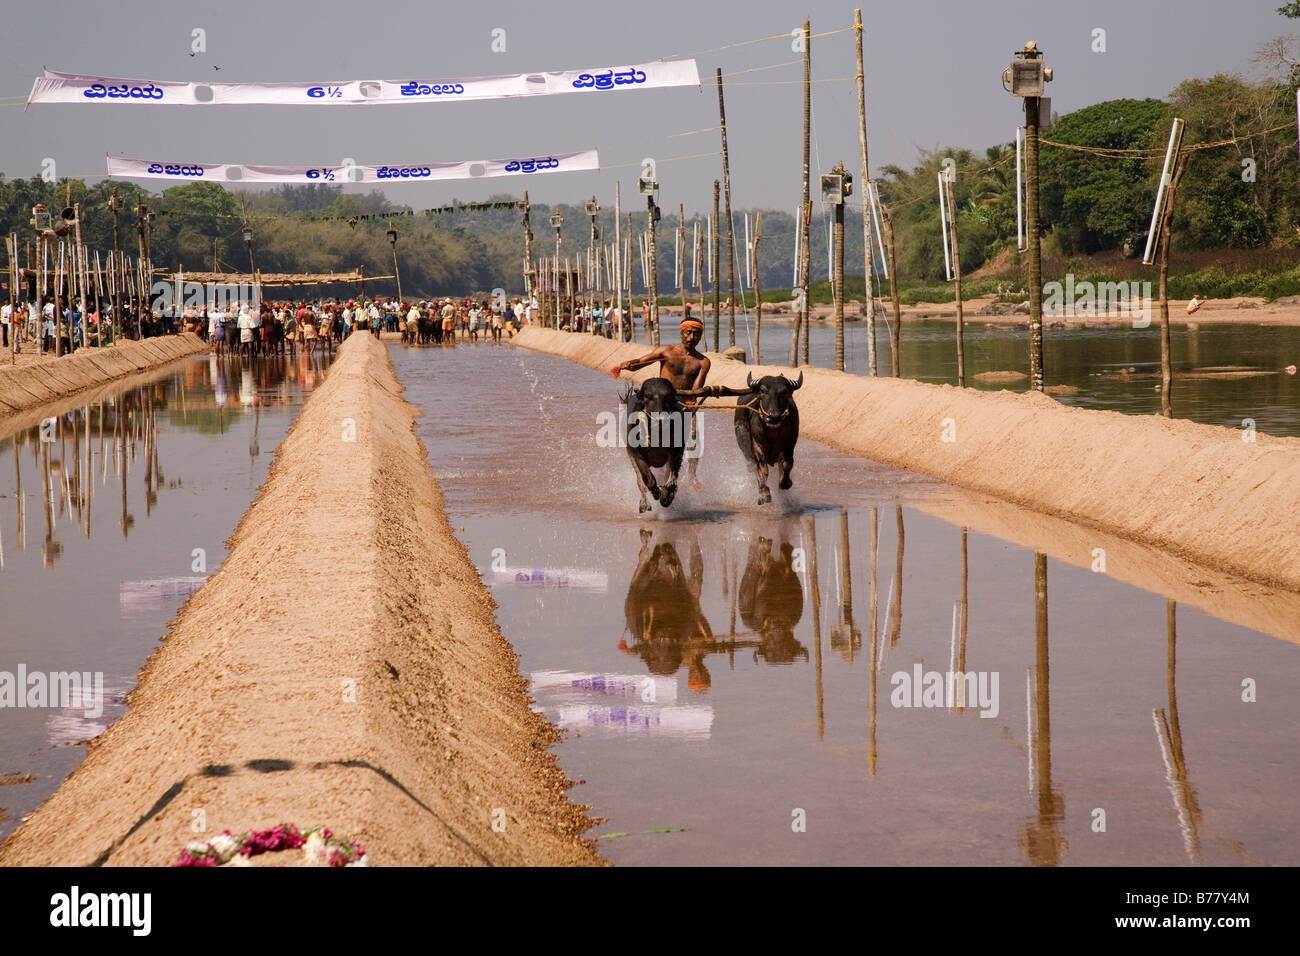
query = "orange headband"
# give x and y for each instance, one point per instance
(692, 324)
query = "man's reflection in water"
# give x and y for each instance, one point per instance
(663, 612)
(770, 601)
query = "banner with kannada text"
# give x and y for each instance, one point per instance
(339, 174)
(56, 87)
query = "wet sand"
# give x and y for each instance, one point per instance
(35, 383)
(1197, 491)
(343, 667)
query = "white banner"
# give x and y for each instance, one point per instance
(79, 88)
(350, 173)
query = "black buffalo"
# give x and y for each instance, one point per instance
(767, 427)
(770, 601)
(656, 434)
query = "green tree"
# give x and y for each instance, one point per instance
(1098, 202)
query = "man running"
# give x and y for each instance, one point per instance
(683, 365)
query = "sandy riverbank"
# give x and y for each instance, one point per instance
(1243, 310)
(342, 668)
(1197, 491)
(38, 382)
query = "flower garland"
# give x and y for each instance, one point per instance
(319, 846)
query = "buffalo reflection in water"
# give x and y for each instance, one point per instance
(770, 601)
(663, 612)
(667, 625)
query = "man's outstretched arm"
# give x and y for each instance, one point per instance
(648, 359)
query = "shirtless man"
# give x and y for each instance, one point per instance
(683, 365)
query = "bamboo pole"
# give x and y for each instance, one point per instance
(618, 257)
(837, 278)
(717, 270)
(896, 328)
(681, 256)
(1166, 227)
(731, 248)
(956, 272)
(801, 324)
(758, 294)
(867, 252)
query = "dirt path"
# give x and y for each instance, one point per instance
(342, 668)
(29, 386)
(1200, 492)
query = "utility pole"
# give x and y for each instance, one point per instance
(731, 247)
(140, 210)
(1026, 78)
(867, 253)
(841, 190)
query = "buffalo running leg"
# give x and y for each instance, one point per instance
(787, 463)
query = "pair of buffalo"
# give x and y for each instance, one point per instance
(658, 421)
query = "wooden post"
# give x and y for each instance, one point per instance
(681, 256)
(140, 211)
(758, 294)
(896, 328)
(731, 244)
(529, 284)
(807, 196)
(99, 302)
(699, 275)
(717, 271)
(1166, 225)
(868, 257)
(60, 280)
(618, 258)
(85, 277)
(837, 279)
(956, 271)
(11, 247)
(1035, 247)
(654, 276)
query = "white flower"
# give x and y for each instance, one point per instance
(359, 861)
(239, 860)
(313, 850)
(226, 847)
(196, 848)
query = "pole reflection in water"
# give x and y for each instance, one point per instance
(815, 593)
(872, 752)
(63, 447)
(1041, 840)
(1170, 736)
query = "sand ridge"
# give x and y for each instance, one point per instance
(343, 667)
(1198, 491)
(27, 387)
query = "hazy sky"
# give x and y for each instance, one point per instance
(933, 78)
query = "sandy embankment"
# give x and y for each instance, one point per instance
(342, 668)
(29, 386)
(1198, 491)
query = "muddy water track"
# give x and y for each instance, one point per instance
(748, 684)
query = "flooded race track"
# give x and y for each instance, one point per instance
(111, 515)
(746, 684)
